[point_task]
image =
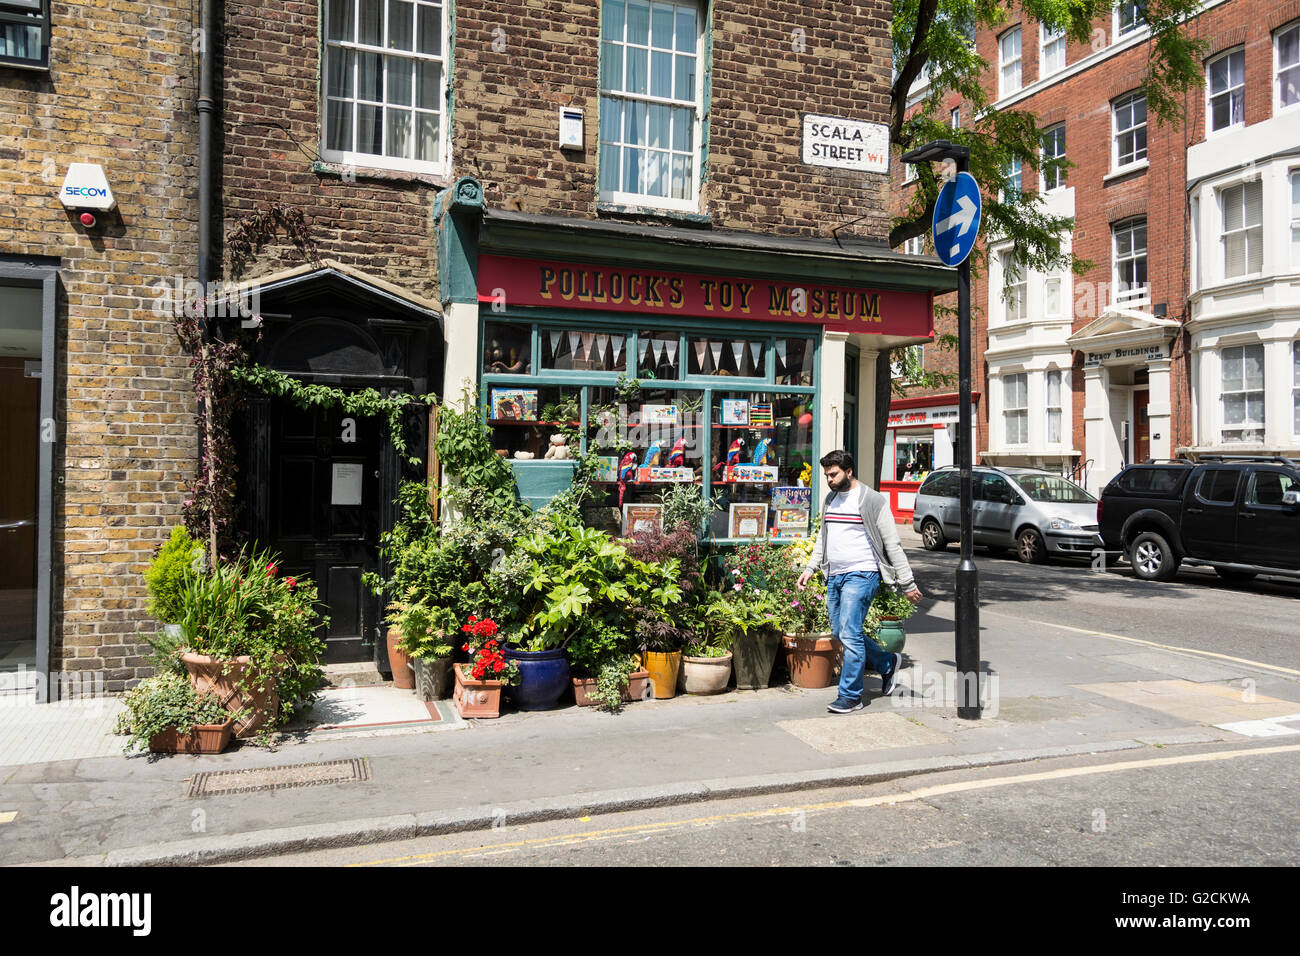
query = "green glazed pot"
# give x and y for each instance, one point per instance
(891, 636)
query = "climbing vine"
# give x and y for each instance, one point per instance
(364, 402)
(246, 239)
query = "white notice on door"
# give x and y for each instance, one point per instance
(346, 487)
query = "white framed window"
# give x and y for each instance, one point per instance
(1015, 408)
(1051, 56)
(1295, 388)
(1015, 289)
(1130, 15)
(909, 173)
(25, 33)
(650, 103)
(1014, 179)
(956, 117)
(1053, 148)
(1242, 210)
(384, 85)
(1295, 218)
(1009, 62)
(1055, 410)
(1053, 303)
(1242, 392)
(914, 246)
(1226, 91)
(1130, 124)
(1286, 66)
(909, 363)
(1130, 242)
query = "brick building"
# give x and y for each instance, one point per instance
(1183, 337)
(540, 199)
(96, 411)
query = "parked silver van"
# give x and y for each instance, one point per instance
(1036, 512)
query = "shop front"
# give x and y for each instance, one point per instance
(676, 356)
(922, 436)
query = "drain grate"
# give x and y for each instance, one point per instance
(279, 778)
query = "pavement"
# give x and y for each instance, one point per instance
(372, 766)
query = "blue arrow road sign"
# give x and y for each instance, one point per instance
(957, 219)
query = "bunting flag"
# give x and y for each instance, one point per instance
(671, 348)
(602, 343)
(616, 342)
(574, 338)
(587, 339)
(755, 353)
(555, 344)
(645, 344)
(716, 349)
(699, 354)
(737, 353)
(780, 352)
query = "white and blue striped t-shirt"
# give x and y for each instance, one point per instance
(848, 548)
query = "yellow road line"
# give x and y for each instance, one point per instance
(1140, 641)
(905, 796)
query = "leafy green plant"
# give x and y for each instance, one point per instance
(468, 459)
(244, 607)
(684, 504)
(722, 617)
(611, 681)
(773, 570)
(888, 604)
(163, 702)
(165, 577)
(426, 629)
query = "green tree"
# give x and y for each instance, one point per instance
(934, 38)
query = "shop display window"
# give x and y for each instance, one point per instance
(794, 361)
(913, 456)
(761, 446)
(565, 350)
(658, 355)
(507, 349)
(523, 418)
(722, 355)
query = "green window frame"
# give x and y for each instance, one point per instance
(539, 322)
(25, 33)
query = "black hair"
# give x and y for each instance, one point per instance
(839, 458)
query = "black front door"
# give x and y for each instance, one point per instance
(324, 505)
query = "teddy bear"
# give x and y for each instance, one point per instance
(559, 449)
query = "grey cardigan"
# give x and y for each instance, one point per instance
(878, 521)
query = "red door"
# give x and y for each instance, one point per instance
(1141, 425)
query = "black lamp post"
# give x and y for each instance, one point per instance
(967, 584)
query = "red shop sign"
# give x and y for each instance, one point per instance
(570, 285)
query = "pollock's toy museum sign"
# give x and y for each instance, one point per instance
(533, 282)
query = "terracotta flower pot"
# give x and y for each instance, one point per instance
(403, 674)
(663, 668)
(638, 688)
(813, 659)
(210, 675)
(705, 675)
(202, 739)
(476, 698)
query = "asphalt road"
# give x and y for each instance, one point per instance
(1217, 804)
(1259, 620)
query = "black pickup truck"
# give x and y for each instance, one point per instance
(1240, 516)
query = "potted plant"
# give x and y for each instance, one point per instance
(755, 645)
(421, 631)
(706, 661)
(812, 655)
(480, 682)
(165, 577)
(165, 715)
(606, 672)
(884, 622)
(252, 638)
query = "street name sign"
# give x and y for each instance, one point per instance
(956, 221)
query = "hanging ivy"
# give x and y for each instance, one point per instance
(363, 402)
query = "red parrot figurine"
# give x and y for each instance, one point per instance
(733, 454)
(626, 473)
(677, 457)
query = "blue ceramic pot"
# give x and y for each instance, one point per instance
(543, 678)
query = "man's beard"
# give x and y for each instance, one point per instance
(843, 484)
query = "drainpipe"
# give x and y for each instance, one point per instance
(207, 107)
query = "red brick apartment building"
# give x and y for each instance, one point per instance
(1184, 336)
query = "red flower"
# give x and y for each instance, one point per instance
(272, 570)
(464, 647)
(472, 619)
(292, 582)
(499, 666)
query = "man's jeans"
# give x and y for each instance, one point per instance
(847, 598)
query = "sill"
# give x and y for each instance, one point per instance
(1128, 170)
(349, 172)
(606, 208)
(32, 66)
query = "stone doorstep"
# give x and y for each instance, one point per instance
(364, 674)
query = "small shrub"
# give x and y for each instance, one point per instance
(180, 556)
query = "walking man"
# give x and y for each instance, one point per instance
(858, 546)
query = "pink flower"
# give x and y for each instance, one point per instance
(737, 587)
